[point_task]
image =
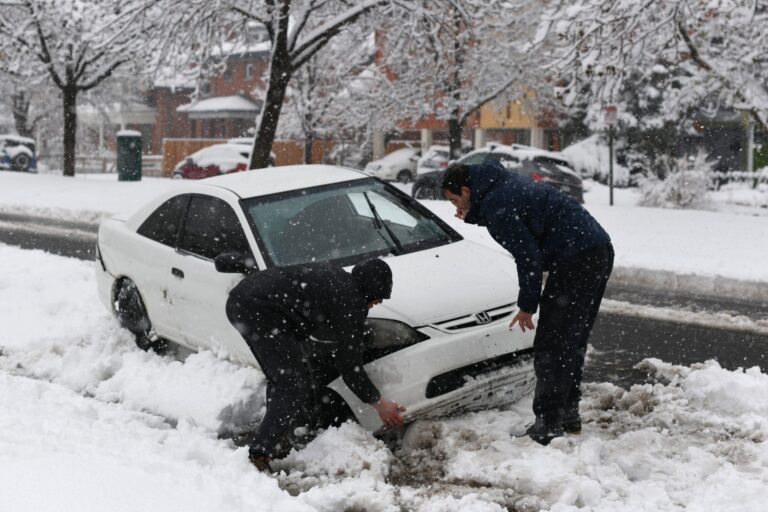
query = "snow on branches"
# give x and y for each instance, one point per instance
(713, 52)
(74, 44)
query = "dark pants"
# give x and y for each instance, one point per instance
(569, 305)
(278, 350)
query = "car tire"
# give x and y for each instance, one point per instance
(424, 191)
(177, 176)
(21, 162)
(132, 315)
(404, 176)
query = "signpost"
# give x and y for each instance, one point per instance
(611, 117)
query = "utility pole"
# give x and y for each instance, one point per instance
(751, 147)
(611, 115)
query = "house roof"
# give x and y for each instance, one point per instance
(235, 106)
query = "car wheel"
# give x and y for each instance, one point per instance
(21, 162)
(404, 176)
(132, 315)
(177, 176)
(424, 191)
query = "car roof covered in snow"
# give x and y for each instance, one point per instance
(272, 180)
(17, 139)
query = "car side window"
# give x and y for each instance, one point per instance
(508, 161)
(164, 223)
(475, 159)
(212, 228)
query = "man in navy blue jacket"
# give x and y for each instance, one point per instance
(546, 231)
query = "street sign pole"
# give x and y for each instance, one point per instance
(611, 114)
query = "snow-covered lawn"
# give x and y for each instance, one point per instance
(705, 244)
(90, 423)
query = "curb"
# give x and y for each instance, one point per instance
(712, 286)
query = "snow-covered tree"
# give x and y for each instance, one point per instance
(323, 96)
(712, 52)
(74, 44)
(297, 30)
(453, 59)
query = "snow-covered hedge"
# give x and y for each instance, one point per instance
(590, 158)
(686, 185)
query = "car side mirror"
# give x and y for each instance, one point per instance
(189, 161)
(235, 263)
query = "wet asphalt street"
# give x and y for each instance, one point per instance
(620, 341)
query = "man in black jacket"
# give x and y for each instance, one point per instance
(278, 309)
(545, 230)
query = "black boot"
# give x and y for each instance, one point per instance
(543, 433)
(260, 461)
(572, 420)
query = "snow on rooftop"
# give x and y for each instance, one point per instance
(234, 103)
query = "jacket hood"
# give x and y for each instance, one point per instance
(374, 277)
(482, 178)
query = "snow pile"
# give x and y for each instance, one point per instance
(591, 159)
(56, 329)
(88, 418)
(703, 251)
(697, 441)
(686, 185)
(63, 451)
(87, 197)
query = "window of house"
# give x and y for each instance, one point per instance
(212, 228)
(163, 224)
(248, 71)
(228, 74)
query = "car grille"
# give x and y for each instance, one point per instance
(476, 319)
(456, 379)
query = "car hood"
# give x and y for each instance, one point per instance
(447, 282)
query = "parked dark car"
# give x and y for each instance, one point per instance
(544, 166)
(17, 153)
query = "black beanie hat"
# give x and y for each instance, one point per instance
(374, 278)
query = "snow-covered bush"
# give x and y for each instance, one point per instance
(686, 185)
(590, 159)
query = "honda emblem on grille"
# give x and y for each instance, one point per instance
(483, 317)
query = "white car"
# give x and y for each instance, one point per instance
(436, 157)
(399, 165)
(440, 345)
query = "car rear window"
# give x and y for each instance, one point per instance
(211, 227)
(163, 224)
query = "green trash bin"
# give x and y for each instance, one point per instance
(128, 155)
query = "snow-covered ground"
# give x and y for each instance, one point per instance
(725, 243)
(90, 423)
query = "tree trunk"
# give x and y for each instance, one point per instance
(309, 140)
(21, 114)
(279, 76)
(69, 94)
(454, 136)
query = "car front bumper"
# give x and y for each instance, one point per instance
(408, 375)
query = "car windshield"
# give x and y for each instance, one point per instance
(343, 223)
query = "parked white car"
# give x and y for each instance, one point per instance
(440, 345)
(436, 157)
(399, 165)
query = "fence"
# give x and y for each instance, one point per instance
(286, 152)
(759, 176)
(151, 165)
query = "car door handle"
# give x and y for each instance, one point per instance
(177, 272)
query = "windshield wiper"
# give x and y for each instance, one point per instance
(378, 223)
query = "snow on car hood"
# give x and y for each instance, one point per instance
(447, 282)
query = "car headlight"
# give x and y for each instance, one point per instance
(380, 333)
